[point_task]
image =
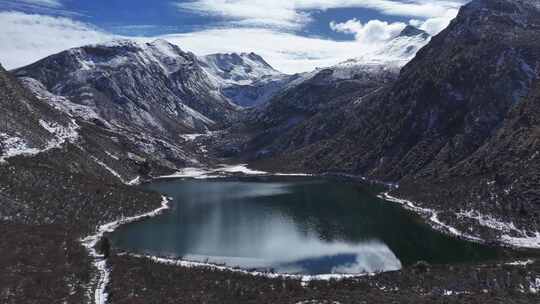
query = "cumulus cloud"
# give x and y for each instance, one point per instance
(374, 31)
(435, 25)
(25, 38)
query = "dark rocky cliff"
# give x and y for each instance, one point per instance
(449, 106)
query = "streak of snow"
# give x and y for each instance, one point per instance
(431, 215)
(90, 242)
(135, 181)
(525, 240)
(111, 170)
(520, 263)
(112, 155)
(242, 168)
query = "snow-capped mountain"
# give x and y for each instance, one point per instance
(389, 57)
(239, 69)
(152, 87)
(245, 78)
(308, 93)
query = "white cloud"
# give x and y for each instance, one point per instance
(25, 38)
(286, 52)
(47, 3)
(373, 32)
(416, 8)
(435, 25)
(264, 24)
(277, 13)
(293, 13)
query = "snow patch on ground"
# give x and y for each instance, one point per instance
(191, 137)
(90, 242)
(223, 171)
(523, 240)
(14, 145)
(448, 293)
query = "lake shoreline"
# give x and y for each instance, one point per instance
(225, 172)
(182, 264)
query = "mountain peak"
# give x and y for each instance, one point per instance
(411, 31)
(239, 58)
(238, 67)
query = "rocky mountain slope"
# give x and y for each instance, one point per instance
(28, 126)
(326, 93)
(58, 181)
(435, 126)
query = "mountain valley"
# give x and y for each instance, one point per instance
(448, 125)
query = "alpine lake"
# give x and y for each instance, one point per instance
(292, 225)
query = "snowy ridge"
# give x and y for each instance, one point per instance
(160, 88)
(246, 79)
(102, 279)
(239, 69)
(168, 57)
(389, 57)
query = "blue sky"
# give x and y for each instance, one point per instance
(310, 31)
